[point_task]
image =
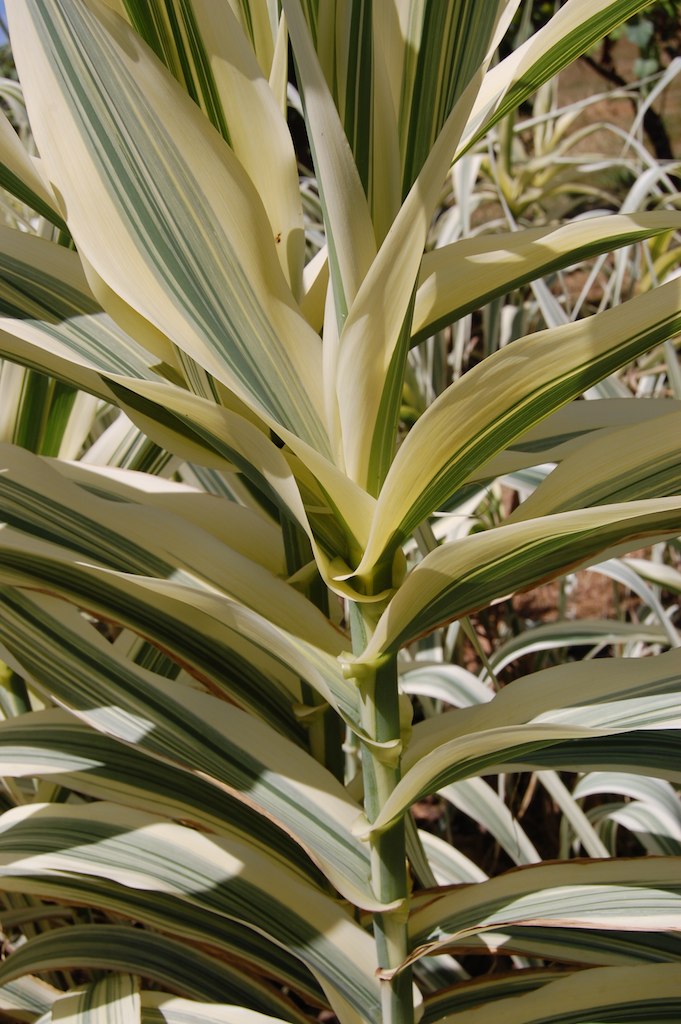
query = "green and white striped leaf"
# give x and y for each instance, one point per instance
(647, 825)
(574, 29)
(146, 855)
(244, 529)
(449, 683)
(645, 995)
(589, 703)
(528, 748)
(483, 805)
(481, 991)
(581, 946)
(315, 287)
(628, 895)
(444, 45)
(27, 999)
(350, 235)
(130, 538)
(230, 650)
(448, 865)
(158, 1008)
(593, 633)
(656, 573)
(574, 686)
(627, 752)
(653, 791)
(651, 811)
(564, 431)
(465, 575)
(200, 263)
(113, 1000)
(174, 965)
(49, 320)
(633, 463)
(335, 511)
(203, 45)
(385, 165)
(375, 338)
(257, 21)
(204, 433)
(42, 414)
(201, 431)
(522, 384)
(20, 175)
(464, 276)
(229, 940)
(56, 745)
(347, 44)
(232, 750)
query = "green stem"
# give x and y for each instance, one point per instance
(381, 770)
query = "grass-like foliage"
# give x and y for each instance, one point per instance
(208, 746)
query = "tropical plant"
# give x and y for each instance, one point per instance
(208, 744)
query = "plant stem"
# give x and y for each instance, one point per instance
(381, 771)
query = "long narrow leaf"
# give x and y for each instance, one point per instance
(232, 651)
(163, 410)
(56, 745)
(463, 576)
(247, 531)
(375, 337)
(222, 744)
(630, 464)
(564, 431)
(142, 852)
(127, 538)
(46, 304)
(573, 30)
(113, 1000)
(464, 276)
(444, 44)
(350, 235)
(617, 995)
(628, 895)
(521, 384)
(204, 46)
(201, 264)
(20, 176)
(158, 1008)
(174, 965)
(620, 707)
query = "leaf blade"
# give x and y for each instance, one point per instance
(522, 384)
(200, 262)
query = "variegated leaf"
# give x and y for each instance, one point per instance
(621, 708)
(627, 895)
(521, 384)
(464, 276)
(145, 854)
(200, 264)
(617, 995)
(462, 576)
(228, 748)
(159, 958)
(113, 1000)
